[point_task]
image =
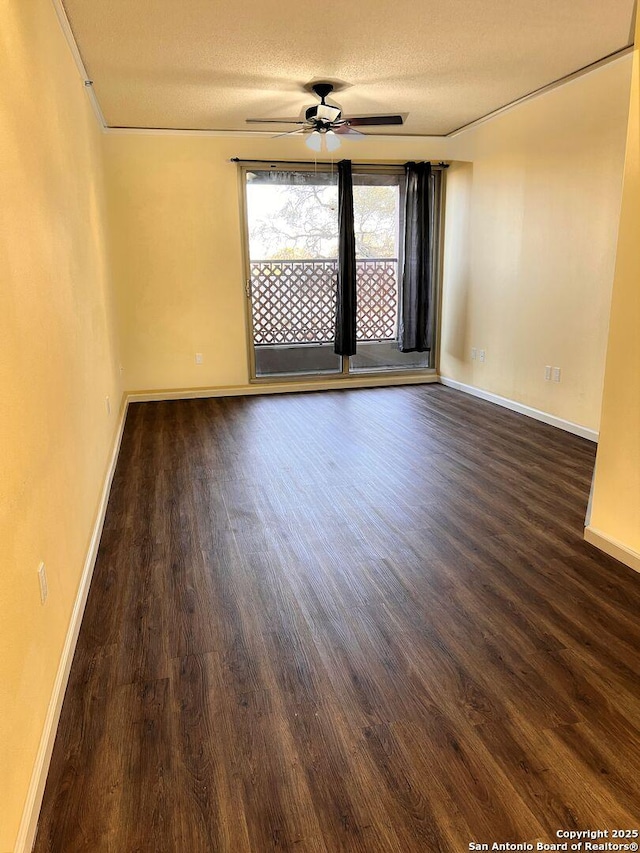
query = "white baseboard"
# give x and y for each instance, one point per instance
(537, 414)
(31, 812)
(282, 387)
(612, 547)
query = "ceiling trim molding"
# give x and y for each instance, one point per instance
(632, 28)
(549, 87)
(252, 134)
(77, 58)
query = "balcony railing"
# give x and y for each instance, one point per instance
(294, 302)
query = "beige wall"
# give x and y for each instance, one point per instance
(177, 254)
(56, 367)
(529, 260)
(531, 227)
(615, 517)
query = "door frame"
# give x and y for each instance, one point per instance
(366, 168)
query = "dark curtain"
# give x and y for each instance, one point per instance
(345, 339)
(416, 294)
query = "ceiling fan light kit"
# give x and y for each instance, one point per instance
(319, 141)
(322, 122)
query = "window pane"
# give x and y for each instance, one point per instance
(378, 201)
(385, 355)
(293, 243)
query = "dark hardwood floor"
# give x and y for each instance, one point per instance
(347, 621)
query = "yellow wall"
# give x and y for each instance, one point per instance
(177, 253)
(531, 227)
(56, 367)
(615, 516)
(529, 261)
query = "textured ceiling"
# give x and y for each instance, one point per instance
(210, 64)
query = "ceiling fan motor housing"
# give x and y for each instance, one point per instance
(322, 114)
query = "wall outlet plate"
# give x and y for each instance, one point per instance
(483, 355)
(547, 372)
(474, 353)
(556, 374)
(198, 358)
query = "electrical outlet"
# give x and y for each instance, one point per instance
(108, 404)
(474, 353)
(483, 355)
(42, 577)
(547, 372)
(556, 374)
(198, 358)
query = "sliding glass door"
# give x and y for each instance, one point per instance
(292, 243)
(292, 226)
(378, 209)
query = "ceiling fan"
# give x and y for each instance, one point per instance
(323, 122)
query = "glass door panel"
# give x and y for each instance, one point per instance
(378, 203)
(292, 219)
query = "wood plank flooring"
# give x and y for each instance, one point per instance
(347, 621)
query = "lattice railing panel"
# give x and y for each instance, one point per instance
(377, 294)
(294, 302)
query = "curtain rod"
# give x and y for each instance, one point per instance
(440, 165)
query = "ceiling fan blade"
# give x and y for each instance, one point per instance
(273, 121)
(345, 130)
(363, 121)
(290, 132)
